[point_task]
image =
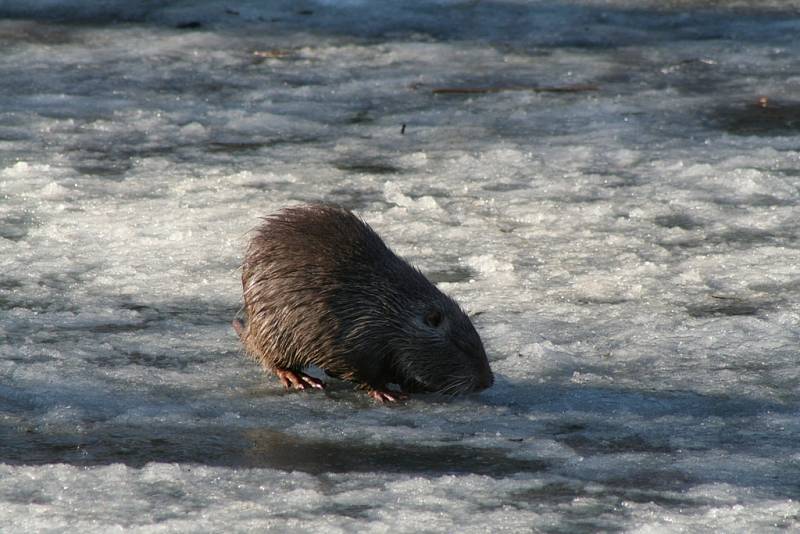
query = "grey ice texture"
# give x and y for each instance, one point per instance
(629, 252)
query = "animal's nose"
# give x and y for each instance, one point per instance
(485, 380)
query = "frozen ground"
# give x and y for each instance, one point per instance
(630, 252)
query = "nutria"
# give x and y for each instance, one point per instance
(321, 288)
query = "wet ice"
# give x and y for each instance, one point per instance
(629, 255)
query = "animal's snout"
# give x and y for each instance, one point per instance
(485, 378)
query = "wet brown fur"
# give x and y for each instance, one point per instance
(321, 288)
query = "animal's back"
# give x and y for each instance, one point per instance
(297, 263)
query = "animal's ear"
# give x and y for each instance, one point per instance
(433, 318)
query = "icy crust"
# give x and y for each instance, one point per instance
(627, 248)
(180, 498)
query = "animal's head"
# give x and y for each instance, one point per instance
(441, 351)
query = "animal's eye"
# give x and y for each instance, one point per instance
(433, 318)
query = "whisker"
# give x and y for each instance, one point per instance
(456, 385)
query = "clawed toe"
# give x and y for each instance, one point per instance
(298, 380)
(386, 395)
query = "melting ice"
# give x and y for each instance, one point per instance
(611, 189)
